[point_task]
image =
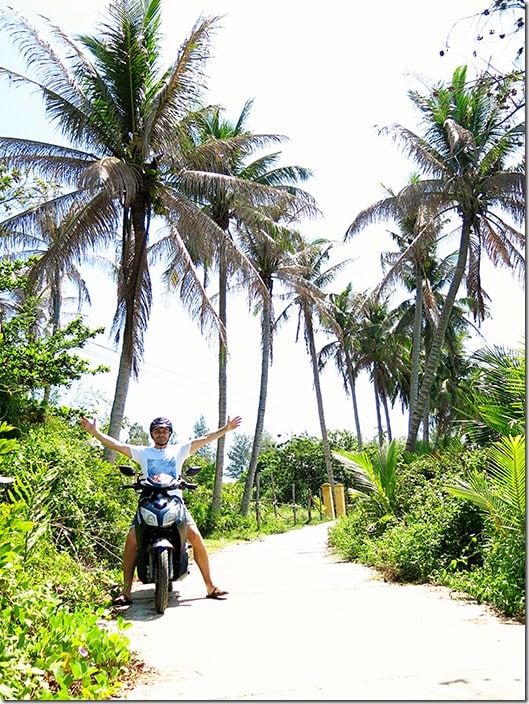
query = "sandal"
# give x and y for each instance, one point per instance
(122, 600)
(216, 594)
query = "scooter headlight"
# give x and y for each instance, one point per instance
(170, 516)
(148, 517)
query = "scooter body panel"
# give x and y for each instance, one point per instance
(161, 524)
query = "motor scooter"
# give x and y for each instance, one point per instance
(160, 531)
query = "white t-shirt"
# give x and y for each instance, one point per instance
(169, 460)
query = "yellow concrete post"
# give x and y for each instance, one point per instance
(339, 499)
(328, 500)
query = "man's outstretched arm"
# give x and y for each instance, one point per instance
(107, 440)
(197, 443)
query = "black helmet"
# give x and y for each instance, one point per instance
(161, 423)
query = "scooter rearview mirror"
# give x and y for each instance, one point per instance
(191, 471)
(126, 469)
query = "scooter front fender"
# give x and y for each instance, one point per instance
(162, 544)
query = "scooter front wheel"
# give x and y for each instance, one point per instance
(161, 580)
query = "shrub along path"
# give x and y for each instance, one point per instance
(300, 625)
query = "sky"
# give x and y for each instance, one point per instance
(324, 75)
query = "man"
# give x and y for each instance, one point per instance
(173, 456)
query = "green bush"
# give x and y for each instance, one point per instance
(47, 650)
(499, 494)
(352, 534)
(64, 483)
(408, 551)
(77, 656)
(500, 581)
(429, 527)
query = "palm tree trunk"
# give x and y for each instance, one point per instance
(120, 398)
(223, 386)
(258, 435)
(426, 424)
(317, 387)
(56, 304)
(135, 274)
(386, 415)
(352, 387)
(438, 339)
(416, 340)
(379, 416)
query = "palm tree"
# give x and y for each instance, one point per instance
(415, 264)
(380, 354)
(374, 479)
(49, 267)
(128, 123)
(231, 204)
(500, 493)
(312, 303)
(343, 348)
(470, 139)
(273, 252)
(416, 237)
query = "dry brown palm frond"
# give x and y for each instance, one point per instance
(121, 180)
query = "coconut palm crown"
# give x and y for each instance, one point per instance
(127, 125)
(469, 155)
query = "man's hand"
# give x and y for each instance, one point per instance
(233, 423)
(88, 425)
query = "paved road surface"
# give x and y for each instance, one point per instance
(299, 625)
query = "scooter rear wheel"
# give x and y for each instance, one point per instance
(161, 580)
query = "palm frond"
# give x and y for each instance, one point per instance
(182, 88)
(374, 478)
(52, 162)
(501, 494)
(181, 275)
(361, 468)
(507, 468)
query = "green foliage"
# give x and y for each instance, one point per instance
(412, 549)
(200, 428)
(499, 581)
(495, 395)
(374, 477)
(500, 493)
(343, 439)
(137, 435)
(6, 444)
(28, 364)
(47, 650)
(239, 455)
(33, 360)
(436, 535)
(351, 535)
(296, 467)
(81, 658)
(408, 553)
(226, 521)
(18, 188)
(430, 530)
(198, 502)
(71, 491)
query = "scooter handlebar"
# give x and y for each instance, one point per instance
(141, 484)
(186, 485)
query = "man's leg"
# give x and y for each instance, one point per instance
(129, 561)
(201, 557)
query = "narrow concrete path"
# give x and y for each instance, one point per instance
(300, 625)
